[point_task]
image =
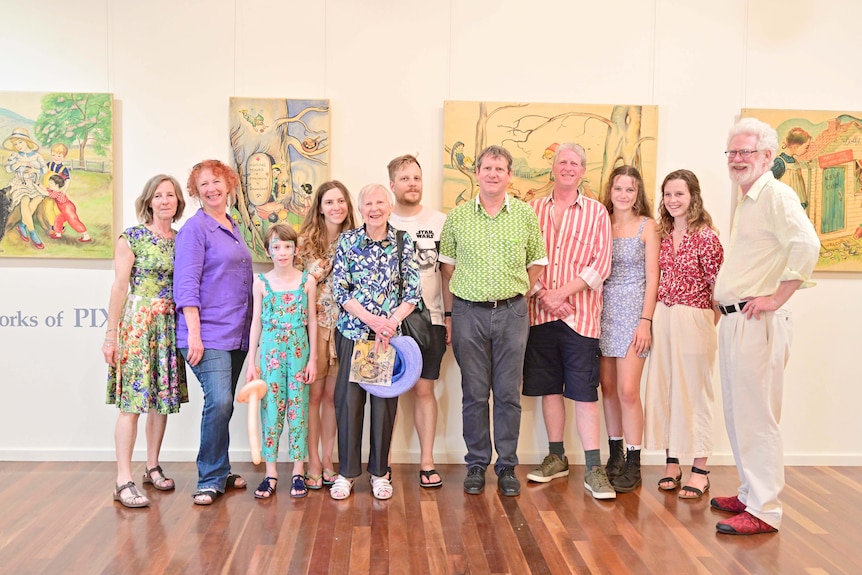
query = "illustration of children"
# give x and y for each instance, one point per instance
(284, 328)
(55, 185)
(28, 167)
(786, 167)
(58, 156)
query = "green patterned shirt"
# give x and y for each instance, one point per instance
(491, 254)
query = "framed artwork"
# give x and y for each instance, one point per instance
(612, 135)
(820, 157)
(56, 188)
(281, 153)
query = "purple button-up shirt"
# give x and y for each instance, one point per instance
(212, 272)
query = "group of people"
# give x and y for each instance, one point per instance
(555, 299)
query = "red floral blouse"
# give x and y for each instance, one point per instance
(688, 277)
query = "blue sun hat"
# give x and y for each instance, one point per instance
(405, 374)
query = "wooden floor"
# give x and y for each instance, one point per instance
(60, 518)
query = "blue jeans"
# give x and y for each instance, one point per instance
(489, 346)
(218, 371)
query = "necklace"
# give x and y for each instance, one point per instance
(165, 236)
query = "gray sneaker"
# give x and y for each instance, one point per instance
(552, 467)
(596, 482)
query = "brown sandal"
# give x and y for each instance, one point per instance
(134, 494)
(161, 482)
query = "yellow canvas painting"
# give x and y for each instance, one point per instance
(612, 135)
(281, 153)
(820, 157)
(57, 185)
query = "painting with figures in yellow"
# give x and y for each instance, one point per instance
(612, 135)
(281, 153)
(820, 157)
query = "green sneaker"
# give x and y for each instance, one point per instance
(552, 467)
(596, 481)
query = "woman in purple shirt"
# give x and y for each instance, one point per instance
(212, 290)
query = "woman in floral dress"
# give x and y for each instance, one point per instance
(146, 374)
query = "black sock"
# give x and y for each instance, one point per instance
(556, 448)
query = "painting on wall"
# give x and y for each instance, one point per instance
(612, 135)
(56, 188)
(820, 157)
(281, 153)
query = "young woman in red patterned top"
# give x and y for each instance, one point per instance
(678, 407)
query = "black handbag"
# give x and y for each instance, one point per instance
(418, 324)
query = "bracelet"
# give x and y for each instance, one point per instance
(110, 330)
(110, 342)
(646, 318)
(447, 314)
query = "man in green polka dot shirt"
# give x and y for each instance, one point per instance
(491, 253)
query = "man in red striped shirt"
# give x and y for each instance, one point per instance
(562, 357)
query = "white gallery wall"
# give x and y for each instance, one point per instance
(387, 66)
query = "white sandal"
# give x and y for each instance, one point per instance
(381, 487)
(341, 487)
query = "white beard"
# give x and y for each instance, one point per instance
(745, 177)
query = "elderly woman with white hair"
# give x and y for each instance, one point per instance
(376, 292)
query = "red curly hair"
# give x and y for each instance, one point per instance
(219, 170)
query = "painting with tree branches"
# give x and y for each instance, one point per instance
(612, 135)
(56, 185)
(281, 153)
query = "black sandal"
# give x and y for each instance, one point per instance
(674, 480)
(231, 482)
(694, 492)
(206, 492)
(428, 484)
(266, 486)
(298, 488)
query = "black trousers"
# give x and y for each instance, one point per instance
(350, 415)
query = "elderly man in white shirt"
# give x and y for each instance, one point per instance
(772, 253)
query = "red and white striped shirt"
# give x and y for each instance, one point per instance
(582, 248)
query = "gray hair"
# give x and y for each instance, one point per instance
(576, 148)
(368, 188)
(767, 138)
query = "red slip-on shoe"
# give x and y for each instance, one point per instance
(744, 524)
(730, 504)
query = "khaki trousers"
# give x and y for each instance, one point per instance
(679, 395)
(752, 357)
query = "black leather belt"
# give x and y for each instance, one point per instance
(494, 304)
(732, 308)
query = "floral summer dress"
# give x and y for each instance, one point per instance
(284, 353)
(623, 293)
(150, 373)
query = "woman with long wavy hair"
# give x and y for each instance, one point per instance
(330, 213)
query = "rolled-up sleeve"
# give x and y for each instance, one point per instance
(536, 254)
(599, 268)
(795, 231)
(188, 267)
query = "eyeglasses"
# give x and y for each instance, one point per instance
(741, 153)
